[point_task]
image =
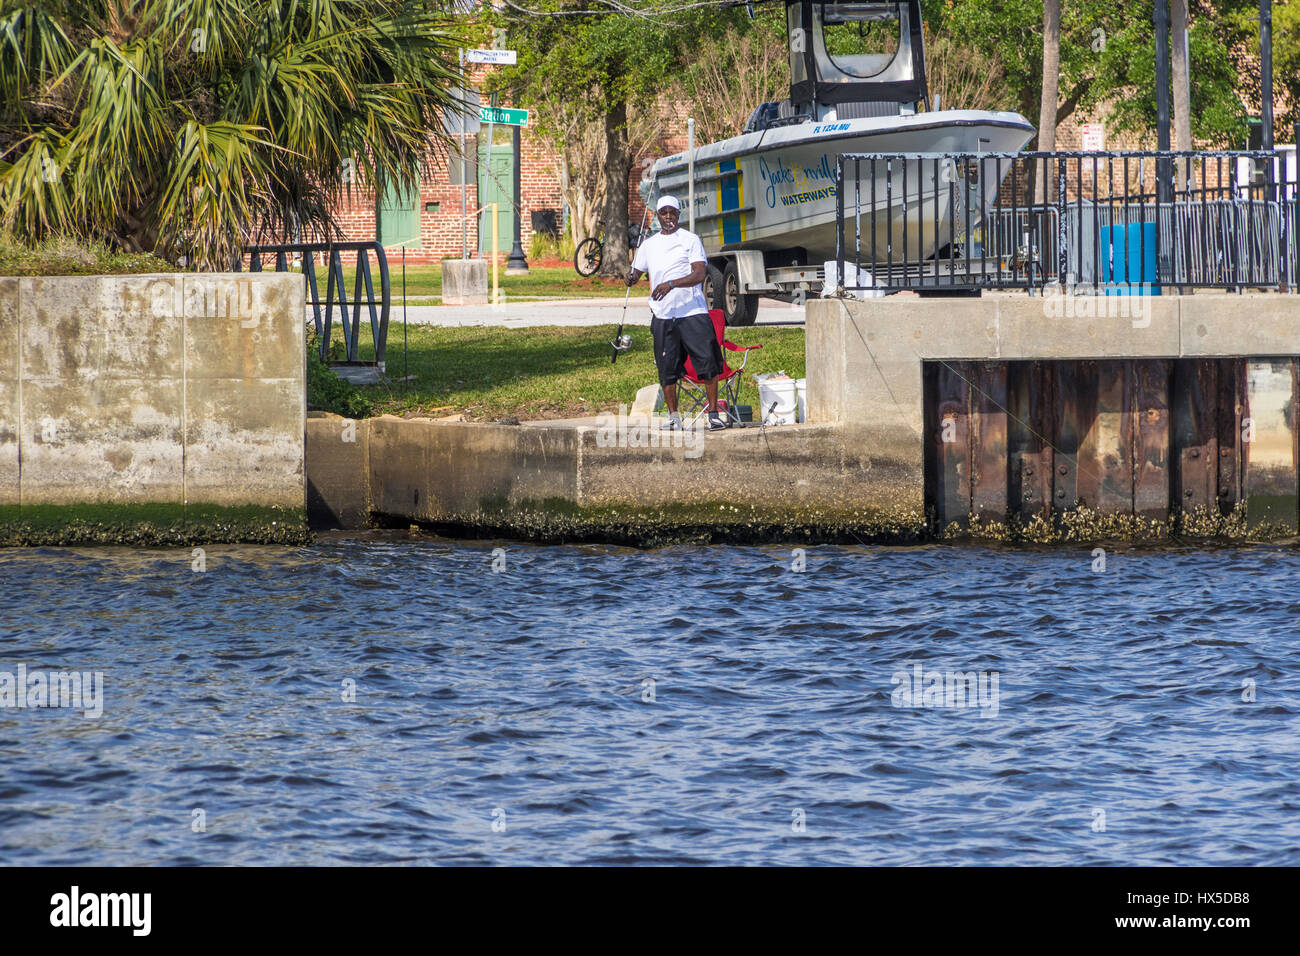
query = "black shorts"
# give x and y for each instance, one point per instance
(691, 335)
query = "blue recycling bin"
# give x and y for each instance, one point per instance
(1128, 259)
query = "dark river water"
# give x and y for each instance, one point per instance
(394, 699)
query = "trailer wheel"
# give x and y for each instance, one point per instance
(739, 309)
(713, 286)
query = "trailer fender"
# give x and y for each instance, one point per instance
(751, 271)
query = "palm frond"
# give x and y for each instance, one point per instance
(33, 47)
(34, 195)
(216, 174)
(187, 126)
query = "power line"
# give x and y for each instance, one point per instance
(655, 12)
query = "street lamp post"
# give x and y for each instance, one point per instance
(1266, 72)
(517, 261)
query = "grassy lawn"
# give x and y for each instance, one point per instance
(548, 372)
(424, 283)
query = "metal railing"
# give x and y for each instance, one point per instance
(303, 256)
(1101, 222)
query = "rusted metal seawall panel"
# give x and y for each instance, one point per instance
(1031, 439)
(1075, 389)
(989, 499)
(1147, 400)
(1228, 416)
(966, 449)
(1194, 406)
(948, 444)
(1150, 438)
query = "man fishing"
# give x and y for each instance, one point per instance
(680, 325)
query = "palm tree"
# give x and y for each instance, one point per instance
(189, 127)
(1182, 90)
(1051, 78)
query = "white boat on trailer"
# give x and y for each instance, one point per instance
(765, 201)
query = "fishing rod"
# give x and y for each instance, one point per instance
(623, 342)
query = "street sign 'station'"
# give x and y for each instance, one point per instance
(503, 117)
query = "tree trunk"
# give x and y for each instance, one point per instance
(615, 259)
(1051, 81)
(582, 218)
(1182, 90)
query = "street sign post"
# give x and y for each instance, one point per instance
(506, 117)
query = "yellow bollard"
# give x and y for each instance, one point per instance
(496, 287)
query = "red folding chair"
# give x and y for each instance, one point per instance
(728, 381)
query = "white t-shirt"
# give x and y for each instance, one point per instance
(667, 257)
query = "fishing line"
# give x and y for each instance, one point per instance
(771, 458)
(621, 342)
(762, 430)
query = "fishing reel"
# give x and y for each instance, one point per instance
(622, 343)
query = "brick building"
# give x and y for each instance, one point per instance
(434, 225)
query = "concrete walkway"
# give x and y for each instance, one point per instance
(570, 312)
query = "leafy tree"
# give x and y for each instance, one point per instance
(1106, 58)
(1241, 23)
(599, 70)
(1127, 71)
(748, 64)
(182, 127)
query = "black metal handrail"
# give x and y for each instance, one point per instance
(332, 254)
(963, 222)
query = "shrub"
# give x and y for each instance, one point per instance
(66, 256)
(326, 391)
(541, 246)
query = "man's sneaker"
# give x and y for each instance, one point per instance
(671, 424)
(716, 422)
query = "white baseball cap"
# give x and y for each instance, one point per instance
(668, 201)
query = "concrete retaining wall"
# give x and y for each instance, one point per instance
(582, 478)
(857, 472)
(176, 390)
(864, 358)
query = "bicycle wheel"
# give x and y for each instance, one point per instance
(586, 259)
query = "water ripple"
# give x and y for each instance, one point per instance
(389, 698)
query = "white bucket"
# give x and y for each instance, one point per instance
(776, 388)
(852, 276)
(801, 393)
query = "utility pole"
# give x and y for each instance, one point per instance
(1266, 71)
(1164, 182)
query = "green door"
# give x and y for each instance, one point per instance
(397, 218)
(497, 186)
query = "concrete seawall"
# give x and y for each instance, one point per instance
(1011, 418)
(152, 408)
(1092, 415)
(588, 482)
